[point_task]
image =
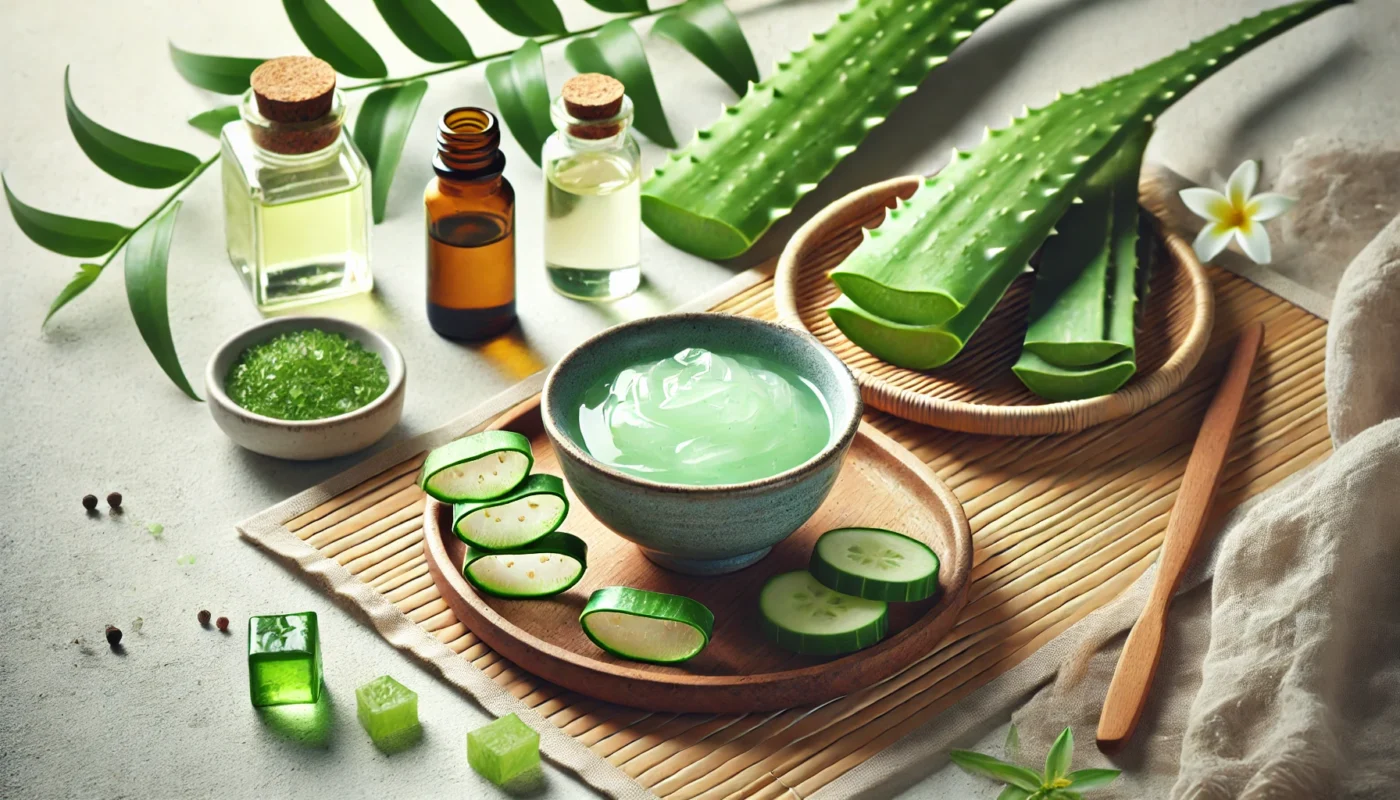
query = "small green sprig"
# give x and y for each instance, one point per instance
(1055, 783)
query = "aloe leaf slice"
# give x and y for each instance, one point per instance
(529, 511)
(641, 625)
(1058, 384)
(547, 566)
(978, 220)
(804, 616)
(875, 564)
(719, 194)
(478, 467)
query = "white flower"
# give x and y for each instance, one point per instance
(1236, 213)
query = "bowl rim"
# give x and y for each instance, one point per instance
(844, 431)
(214, 383)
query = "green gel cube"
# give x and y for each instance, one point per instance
(503, 750)
(284, 659)
(389, 712)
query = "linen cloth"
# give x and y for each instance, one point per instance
(1280, 675)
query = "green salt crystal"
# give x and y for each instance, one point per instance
(389, 712)
(284, 659)
(503, 750)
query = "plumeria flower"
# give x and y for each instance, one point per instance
(1238, 213)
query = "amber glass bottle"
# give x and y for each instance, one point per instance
(471, 230)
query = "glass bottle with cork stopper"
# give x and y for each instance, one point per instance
(593, 200)
(471, 229)
(296, 191)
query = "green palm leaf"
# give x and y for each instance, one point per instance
(381, 130)
(221, 74)
(138, 163)
(69, 236)
(214, 120)
(525, 17)
(330, 38)
(522, 95)
(616, 50)
(147, 255)
(425, 30)
(709, 30)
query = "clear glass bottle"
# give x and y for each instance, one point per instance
(593, 192)
(470, 209)
(296, 190)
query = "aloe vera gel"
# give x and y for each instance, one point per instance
(704, 418)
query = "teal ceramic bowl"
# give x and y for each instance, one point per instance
(699, 530)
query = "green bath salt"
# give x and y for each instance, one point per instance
(306, 374)
(703, 418)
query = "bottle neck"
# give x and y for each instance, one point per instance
(293, 144)
(469, 148)
(592, 134)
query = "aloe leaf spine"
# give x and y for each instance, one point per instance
(720, 193)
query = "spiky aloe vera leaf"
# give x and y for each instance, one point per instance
(716, 196)
(1082, 306)
(1057, 383)
(984, 214)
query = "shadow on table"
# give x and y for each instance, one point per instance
(305, 723)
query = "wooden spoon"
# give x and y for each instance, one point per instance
(1127, 693)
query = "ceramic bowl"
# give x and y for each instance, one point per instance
(699, 530)
(305, 440)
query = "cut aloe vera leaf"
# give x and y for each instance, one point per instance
(875, 564)
(536, 507)
(477, 467)
(1059, 384)
(640, 625)
(717, 195)
(547, 566)
(803, 616)
(938, 251)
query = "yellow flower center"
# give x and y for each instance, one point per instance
(1236, 217)
(1060, 783)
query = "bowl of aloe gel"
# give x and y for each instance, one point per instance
(705, 439)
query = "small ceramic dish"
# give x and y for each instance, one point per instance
(699, 530)
(305, 440)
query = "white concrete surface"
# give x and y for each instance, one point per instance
(83, 408)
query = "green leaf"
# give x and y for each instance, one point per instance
(522, 95)
(150, 166)
(380, 132)
(980, 764)
(329, 37)
(525, 17)
(147, 255)
(709, 30)
(1013, 793)
(69, 236)
(87, 273)
(1013, 743)
(1092, 778)
(619, 6)
(221, 74)
(1057, 760)
(425, 30)
(214, 120)
(616, 50)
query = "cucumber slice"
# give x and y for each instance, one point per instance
(875, 564)
(477, 467)
(547, 566)
(534, 508)
(803, 616)
(647, 626)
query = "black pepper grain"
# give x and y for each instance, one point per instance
(222, 623)
(90, 502)
(204, 617)
(114, 635)
(114, 500)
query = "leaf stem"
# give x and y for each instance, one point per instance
(456, 65)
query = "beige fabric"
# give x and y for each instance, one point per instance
(1280, 677)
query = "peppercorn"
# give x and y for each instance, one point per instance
(222, 623)
(204, 617)
(90, 502)
(114, 635)
(114, 499)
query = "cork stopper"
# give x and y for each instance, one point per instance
(295, 94)
(592, 96)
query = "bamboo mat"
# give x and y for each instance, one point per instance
(1061, 525)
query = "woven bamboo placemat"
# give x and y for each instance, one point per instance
(1061, 525)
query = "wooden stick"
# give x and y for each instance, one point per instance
(1127, 693)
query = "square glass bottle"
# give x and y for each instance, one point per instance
(296, 190)
(284, 659)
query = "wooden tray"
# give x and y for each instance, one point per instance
(977, 392)
(881, 485)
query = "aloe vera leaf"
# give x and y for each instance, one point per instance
(995, 204)
(1123, 294)
(1070, 299)
(718, 195)
(1057, 383)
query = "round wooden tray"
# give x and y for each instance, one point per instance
(977, 392)
(881, 484)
